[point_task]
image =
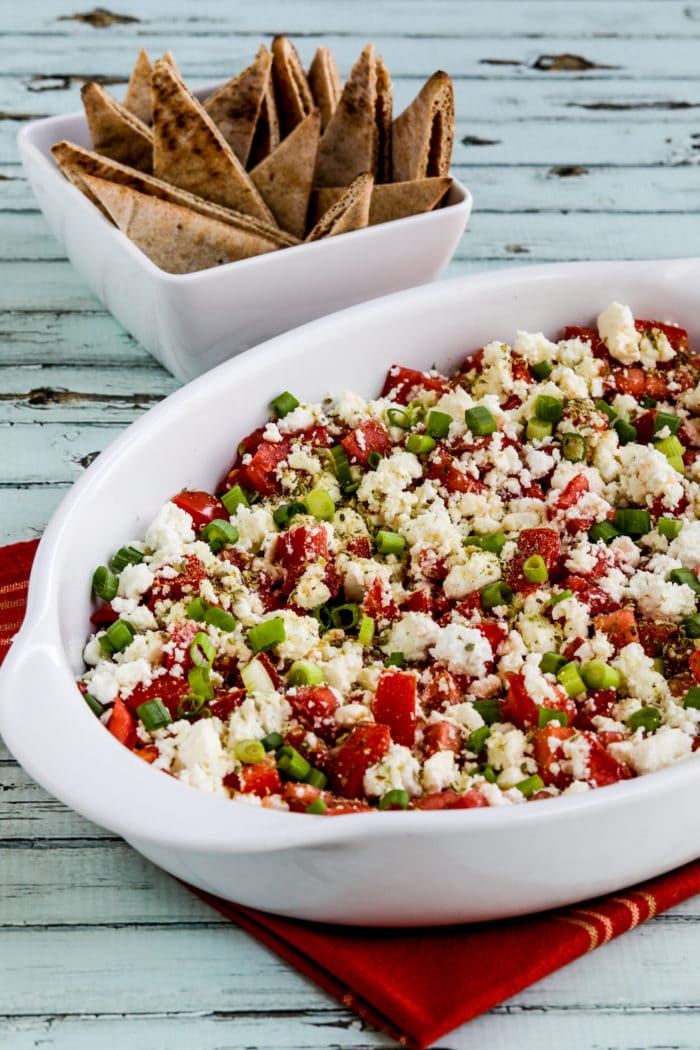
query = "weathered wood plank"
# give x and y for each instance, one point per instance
(71, 339)
(29, 454)
(24, 512)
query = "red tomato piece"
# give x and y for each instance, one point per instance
(546, 543)
(472, 799)
(298, 548)
(369, 437)
(186, 583)
(441, 736)
(677, 336)
(360, 546)
(694, 663)
(419, 601)
(644, 425)
(655, 634)
(223, 706)
(442, 468)
(442, 689)
(315, 707)
(367, 744)
(597, 600)
(378, 601)
(169, 689)
(600, 702)
(104, 616)
(394, 705)
(627, 381)
(122, 724)
(620, 627)
(317, 437)
(402, 383)
(261, 473)
(299, 796)
(520, 709)
(202, 507)
(603, 769)
(259, 778)
(572, 492)
(177, 649)
(494, 632)
(587, 335)
(549, 753)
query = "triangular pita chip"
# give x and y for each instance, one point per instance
(169, 57)
(349, 213)
(285, 177)
(267, 131)
(324, 81)
(292, 91)
(138, 92)
(235, 107)
(190, 151)
(422, 136)
(175, 239)
(390, 200)
(74, 162)
(384, 115)
(349, 144)
(115, 131)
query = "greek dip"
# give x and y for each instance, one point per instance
(474, 590)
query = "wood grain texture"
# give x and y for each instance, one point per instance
(598, 160)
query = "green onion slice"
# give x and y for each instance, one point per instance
(603, 530)
(199, 683)
(530, 785)
(320, 505)
(551, 714)
(573, 447)
(345, 616)
(395, 660)
(647, 719)
(190, 706)
(535, 570)
(316, 778)
(202, 650)
(691, 626)
(197, 609)
(420, 444)
(398, 417)
(303, 672)
(154, 714)
(341, 465)
(256, 679)
(541, 371)
(267, 634)
(234, 498)
(552, 663)
(570, 679)
(291, 764)
(118, 637)
(366, 631)
(606, 409)
(480, 421)
(686, 576)
(125, 556)
(282, 515)
(395, 799)
(561, 596)
(548, 408)
(477, 739)
(494, 594)
(493, 542)
(318, 807)
(94, 704)
(692, 697)
(389, 542)
(219, 533)
(249, 751)
(625, 431)
(666, 419)
(633, 521)
(105, 584)
(374, 459)
(283, 404)
(438, 424)
(538, 429)
(599, 675)
(272, 741)
(220, 618)
(489, 710)
(669, 527)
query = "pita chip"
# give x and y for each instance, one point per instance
(284, 178)
(138, 92)
(384, 114)
(190, 152)
(75, 162)
(115, 131)
(235, 107)
(422, 136)
(324, 81)
(267, 130)
(292, 91)
(174, 238)
(349, 144)
(350, 212)
(391, 200)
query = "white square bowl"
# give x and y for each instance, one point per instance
(192, 322)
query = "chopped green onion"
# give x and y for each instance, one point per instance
(272, 741)
(669, 527)
(646, 718)
(199, 683)
(190, 706)
(389, 542)
(256, 679)
(219, 533)
(573, 447)
(677, 463)
(493, 542)
(125, 556)
(666, 419)
(648, 402)
(670, 447)
(105, 584)
(535, 570)
(249, 751)
(317, 778)
(323, 615)
(197, 609)
(625, 431)
(395, 660)
(494, 594)
(541, 371)
(303, 672)
(341, 465)
(366, 631)
(202, 650)
(658, 665)
(438, 423)
(692, 697)
(374, 458)
(603, 530)
(570, 679)
(118, 637)
(320, 505)
(489, 710)
(599, 675)
(283, 404)
(530, 785)
(234, 498)
(480, 421)
(561, 596)
(489, 774)
(398, 417)
(691, 626)
(632, 521)
(154, 714)
(396, 799)
(317, 808)
(345, 616)
(551, 714)
(548, 408)
(94, 704)
(477, 739)
(293, 765)
(686, 576)
(552, 663)
(220, 618)
(606, 409)
(420, 444)
(282, 515)
(538, 429)
(266, 634)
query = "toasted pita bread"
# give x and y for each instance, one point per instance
(350, 212)
(292, 91)
(169, 57)
(349, 144)
(385, 99)
(422, 136)
(285, 177)
(324, 81)
(190, 151)
(138, 92)
(74, 162)
(174, 238)
(235, 107)
(115, 131)
(267, 130)
(391, 200)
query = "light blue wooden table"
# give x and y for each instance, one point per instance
(578, 130)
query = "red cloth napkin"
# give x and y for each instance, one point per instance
(417, 985)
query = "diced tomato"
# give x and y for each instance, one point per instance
(677, 336)
(394, 705)
(520, 369)
(442, 468)
(472, 799)
(442, 689)
(549, 753)
(572, 647)
(546, 543)
(149, 753)
(603, 769)
(656, 385)
(587, 335)
(520, 708)
(419, 601)
(261, 473)
(494, 632)
(655, 634)
(122, 724)
(298, 548)
(599, 702)
(441, 736)
(177, 650)
(469, 605)
(299, 796)
(315, 707)
(630, 381)
(168, 688)
(597, 600)
(225, 704)
(202, 507)
(185, 584)
(369, 437)
(572, 492)
(359, 546)
(367, 744)
(402, 383)
(620, 627)
(644, 425)
(378, 601)
(104, 616)
(317, 437)
(259, 778)
(694, 664)
(433, 566)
